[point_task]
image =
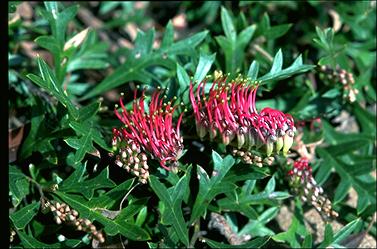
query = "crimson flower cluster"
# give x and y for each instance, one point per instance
(229, 114)
(150, 134)
(303, 184)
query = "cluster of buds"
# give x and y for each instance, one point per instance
(12, 234)
(151, 134)
(131, 158)
(340, 75)
(63, 213)
(248, 158)
(229, 114)
(303, 184)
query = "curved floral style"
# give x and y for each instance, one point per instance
(229, 113)
(147, 134)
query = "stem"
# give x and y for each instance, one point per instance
(197, 234)
(120, 207)
(263, 52)
(128, 193)
(39, 187)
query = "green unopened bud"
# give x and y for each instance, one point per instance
(212, 133)
(240, 140)
(250, 140)
(279, 144)
(269, 148)
(174, 169)
(200, 130)
(226, 139)
(288, 141)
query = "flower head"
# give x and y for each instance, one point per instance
(228, 113)
(303, 184)
(144, 134)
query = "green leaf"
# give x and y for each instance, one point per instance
(346, 147)
(83, 145)
(361, 165)
(135, 69)
(234, 47)
(49, 43)
(366, 190)
(228, 26)
(134, 207)
(142, 215)
(308, 241)
(39, 137)
(168, 38)
(86, 63)
(49, 82)
(111, 197)
(325, 38)
(345, 231)
(183, 79)
(87, 188)
(89, 111)
(59, 20)
(277, 63)
(23, 216)
(186, 46)
(277, 73)
(255, 243)
(265, 198)
(329, 236)
(111, 227)
(270, 185)
(88, 131)
(256, 227)
(208, 187)
(253, 70)
(245, 36)
(341, 191)
(204, 65)
(18, 185)
(290, 235)
(75, 177)
(333, 137)
(30, 242)
(173, 207)
(277, 31)
(366, 119)
(242, 173)
(51, 6)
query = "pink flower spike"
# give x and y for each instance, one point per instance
(229, 107)
(152, 133)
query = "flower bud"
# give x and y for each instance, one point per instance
(269, 148)
(279, 144)
(288, 141)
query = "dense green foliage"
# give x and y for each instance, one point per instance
(66, 66)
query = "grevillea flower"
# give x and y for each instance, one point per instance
(303, 184)
(228, 113)
(147, 134)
